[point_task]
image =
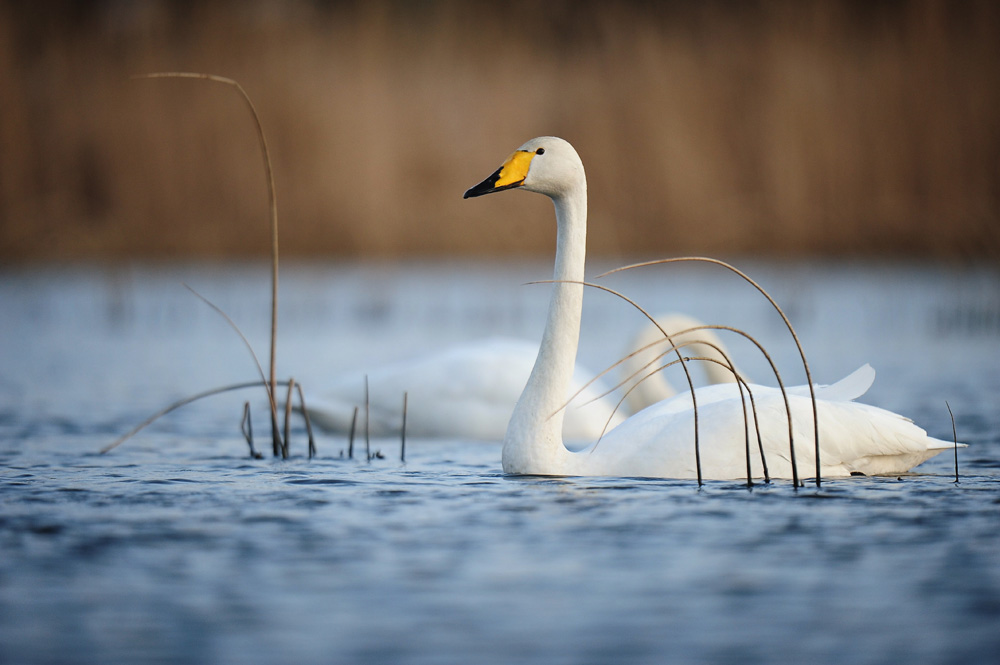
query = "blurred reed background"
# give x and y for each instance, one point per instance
(778, 128)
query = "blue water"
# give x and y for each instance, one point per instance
(176, 547)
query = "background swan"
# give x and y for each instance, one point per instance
(469, 391)
(658, 441)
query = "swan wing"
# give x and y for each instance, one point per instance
(854, 438)
(849, 388)
(860, 438)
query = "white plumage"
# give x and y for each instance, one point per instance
(464, 392)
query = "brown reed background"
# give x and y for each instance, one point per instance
(800, 127)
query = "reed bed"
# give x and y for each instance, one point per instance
(773, 127)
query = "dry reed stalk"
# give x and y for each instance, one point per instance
(727, 364)
(788, 324)
(694, 404)
(674, 348)
(781, 387)
(741, 385)
(402, 435)
(276, 443)
(744, 334)
(368, 446)
(291, 383)
(751, 339)
(178, 404)
(954, 434)
(273, 206)
(288, 418)
(305, 416)
(246, 426)
(350, 437)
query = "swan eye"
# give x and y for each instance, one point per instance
(540, 151)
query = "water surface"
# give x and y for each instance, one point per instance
(177, 547)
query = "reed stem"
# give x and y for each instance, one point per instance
(305, 416)
(954, 434)
(350, 439)
(791, 330)
(368, 442)
(402, 445)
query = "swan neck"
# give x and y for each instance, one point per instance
(533, 444)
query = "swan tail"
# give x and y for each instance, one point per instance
(939, 444)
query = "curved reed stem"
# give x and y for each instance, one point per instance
(954, 434)
(178, 404)
(741, 384)
(273, 205)
(260, 370)
(305, 416)
(744, 334)
(788, 324)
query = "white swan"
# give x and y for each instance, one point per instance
(469, 391)
(658, 441)
(465, 392)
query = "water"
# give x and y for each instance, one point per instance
(178, 548)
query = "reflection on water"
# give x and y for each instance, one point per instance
(177, 548)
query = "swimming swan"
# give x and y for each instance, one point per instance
(469, 391)
(658, 441)
(464, 392)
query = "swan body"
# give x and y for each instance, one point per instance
(467, 391)
(855, 438)
(658, 441)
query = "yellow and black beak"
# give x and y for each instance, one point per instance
(510, 175)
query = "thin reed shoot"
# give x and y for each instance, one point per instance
(402, 430)
(305, 416)
(954, 434)
(682, 360)
(273, 208)
(279, 445)
(350, 437)
(788, 324)
(246, 426)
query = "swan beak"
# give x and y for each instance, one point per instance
(510, 175)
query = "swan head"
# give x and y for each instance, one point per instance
(547, 165)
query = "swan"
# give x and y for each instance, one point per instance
(658, 441)
(468, 391)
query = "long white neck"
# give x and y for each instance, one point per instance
(533, 444)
